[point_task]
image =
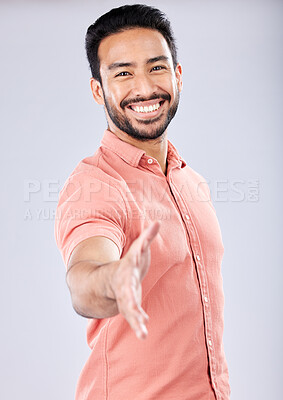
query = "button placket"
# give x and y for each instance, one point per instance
(207, 312)
(150, 164)
(196, 250)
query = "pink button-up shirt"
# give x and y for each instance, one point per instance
(116, 193)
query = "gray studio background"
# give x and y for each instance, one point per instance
(228, 128)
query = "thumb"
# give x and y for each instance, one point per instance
(149, 234)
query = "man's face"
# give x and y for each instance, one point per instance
(139, 85)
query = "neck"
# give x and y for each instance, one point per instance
(156, 148)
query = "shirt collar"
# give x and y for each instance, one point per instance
(132, 154)
(174, 156)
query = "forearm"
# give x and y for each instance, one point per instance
(90, 289)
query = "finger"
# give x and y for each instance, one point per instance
(130, 308)
(137, 323)
(144, 314)
(136, 308)
(136, 320)
(142, 332)
(149, 234)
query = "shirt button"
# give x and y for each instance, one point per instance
(206, 299)
(210, 342)
(187, 217)
(150, 161)
(198, 257)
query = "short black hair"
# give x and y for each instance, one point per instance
(123, 18)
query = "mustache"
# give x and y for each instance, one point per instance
(133, 100)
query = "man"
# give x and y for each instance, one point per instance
(137, 230)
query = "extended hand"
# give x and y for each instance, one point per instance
(127, 278)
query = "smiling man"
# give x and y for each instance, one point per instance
(138, 232)
(142, 113)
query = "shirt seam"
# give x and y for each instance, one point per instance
(125, 204)
(127, 214)
(106, 365)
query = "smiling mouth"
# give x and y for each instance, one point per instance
(148, 109)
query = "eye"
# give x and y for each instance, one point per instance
(158, 68)
(123, 73)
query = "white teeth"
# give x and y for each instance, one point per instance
(146, 109)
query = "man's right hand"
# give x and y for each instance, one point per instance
(102, 284)
(125, 284)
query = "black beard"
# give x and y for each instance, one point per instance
(124, 124)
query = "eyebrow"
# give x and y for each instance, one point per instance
(155, 59)
(133, 64)
(120, 65)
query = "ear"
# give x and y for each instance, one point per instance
(97, 91)
(178, 73)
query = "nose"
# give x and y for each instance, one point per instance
(143, 85)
